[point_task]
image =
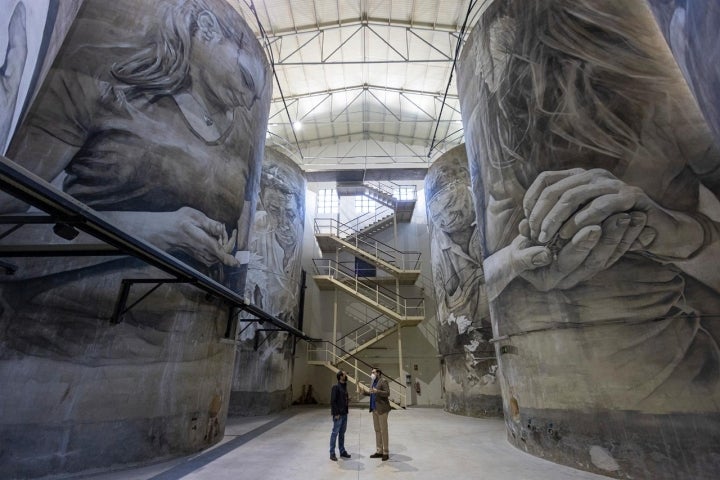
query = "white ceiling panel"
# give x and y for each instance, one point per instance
(364, 81)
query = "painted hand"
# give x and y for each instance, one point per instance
(591, 250)
(559, 205)
(205, 239)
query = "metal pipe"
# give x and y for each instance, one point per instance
(35, 191)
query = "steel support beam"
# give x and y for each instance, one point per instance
(35, 191)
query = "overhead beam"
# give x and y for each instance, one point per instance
(350, 88)
(361, 62)
(370, 21)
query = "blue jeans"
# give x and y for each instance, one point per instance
(338, 432)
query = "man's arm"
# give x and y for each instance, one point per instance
(334, 401)
(383, 389)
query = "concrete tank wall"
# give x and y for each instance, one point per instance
(595, 182)
(154, 114)
(464, 330)
(262, 382)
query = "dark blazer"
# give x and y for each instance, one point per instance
(339, 399)
(382, 397)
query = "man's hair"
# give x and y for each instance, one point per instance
(377, 370)
(339, 374)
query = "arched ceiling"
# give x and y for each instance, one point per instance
(363, 84)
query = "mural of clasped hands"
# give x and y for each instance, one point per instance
(588, 219)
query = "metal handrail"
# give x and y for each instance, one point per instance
(392, 191)
(368, 219)
(33, 190)
(404, 260)
(367, 331)
(325, 351)
(376, 320)
(376, 293)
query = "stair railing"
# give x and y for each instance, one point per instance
(327, 352)
(368, 331)
(376, 293)
(370, 218)
(409, 260)
(392, 189)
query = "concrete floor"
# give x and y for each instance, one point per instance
(425, 443)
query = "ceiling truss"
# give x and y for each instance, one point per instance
(363, 83)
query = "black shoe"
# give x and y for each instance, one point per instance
(376, 455)
(385, 458)
(333, 457)
(345, 455)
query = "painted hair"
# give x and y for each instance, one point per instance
(161, 67)
(581, 76)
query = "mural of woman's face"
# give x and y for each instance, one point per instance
(227, 70)
(451, 209)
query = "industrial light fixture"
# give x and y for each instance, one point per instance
(297, 125)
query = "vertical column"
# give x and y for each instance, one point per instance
(464, 329)
(142, 120)
(590, 164)
(264, 363)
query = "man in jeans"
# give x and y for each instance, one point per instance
(339, 400)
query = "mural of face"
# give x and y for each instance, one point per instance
(263, 357)
(224, 85)
(123, 124)
(598, 119)
(462, 308)
(451, 209)
(283, 211)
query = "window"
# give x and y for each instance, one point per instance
(327, 202)
(404, 193)
(364, 205)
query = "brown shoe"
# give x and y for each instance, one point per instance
(385, 458)
(376, 455)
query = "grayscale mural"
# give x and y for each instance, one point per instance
(25, 32)
(264, 362)
(596, 182)
(469, 382)
(154, 114)
(692, 30)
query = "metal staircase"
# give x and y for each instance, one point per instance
(369, 331)
(375, 264)
(333, 235)
(334, 358)
(400, 198)
(407, 311)
(396, 204)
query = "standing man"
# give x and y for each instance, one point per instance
(339, 400)
(380, 407)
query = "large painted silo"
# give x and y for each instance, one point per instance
(595, 184)
(470, 385)
(154, 115)
(262, 382)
